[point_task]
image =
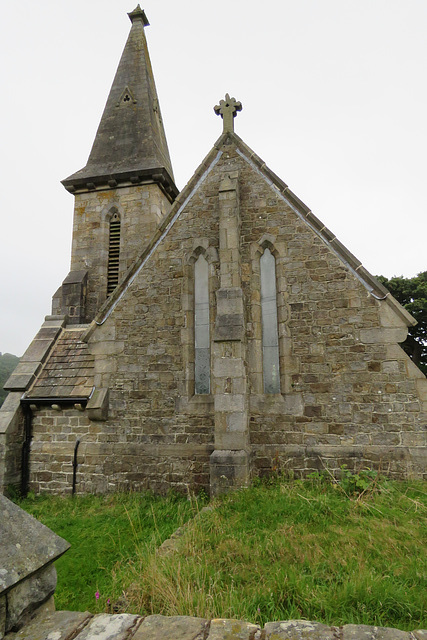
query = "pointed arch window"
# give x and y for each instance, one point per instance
(113, 253)
(270, 334)
(201, 327)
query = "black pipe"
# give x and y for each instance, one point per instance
(25, 453)
(76, 446)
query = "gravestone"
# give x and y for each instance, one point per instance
(27, 575)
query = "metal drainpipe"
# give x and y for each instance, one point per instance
(25, 453)
(75, 465)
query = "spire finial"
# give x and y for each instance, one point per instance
(138, 14)
(227, 109)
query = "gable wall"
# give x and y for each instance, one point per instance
(362, 398)
(350, 395)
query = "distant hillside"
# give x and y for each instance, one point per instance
(7, 364)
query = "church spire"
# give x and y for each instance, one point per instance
(130, 144)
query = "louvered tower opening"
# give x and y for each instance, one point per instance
(113, 254)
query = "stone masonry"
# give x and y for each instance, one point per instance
(350, 394)
(73, 625)
(105, 397)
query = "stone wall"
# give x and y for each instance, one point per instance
(349, 394)
(114, 458)
(140, 208)
(67, 625)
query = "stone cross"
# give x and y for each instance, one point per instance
(227, 109)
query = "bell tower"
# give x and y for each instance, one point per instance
(125, 189)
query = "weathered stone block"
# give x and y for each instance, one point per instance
(109, 627)
(229, 327)
(98, 404)
(229, 470)
(228, 402)
(365, 632)
(232, 440)
(232, 629)
(60, 625)
(237, 422)
(3, 610)
(229, 301)
(299, 630)
(228, 368)
(28, 595)
(383, 335)
(177, 627)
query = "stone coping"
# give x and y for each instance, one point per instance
(74, 625)
(26, 545)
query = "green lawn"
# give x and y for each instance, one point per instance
(297, 549)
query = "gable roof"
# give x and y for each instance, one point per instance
(373, 286)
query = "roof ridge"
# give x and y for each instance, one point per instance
(374, 287)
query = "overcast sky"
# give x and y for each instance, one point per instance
(334, 101)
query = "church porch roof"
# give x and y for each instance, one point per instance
(68, 371)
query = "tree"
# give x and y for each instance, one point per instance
(412, 294)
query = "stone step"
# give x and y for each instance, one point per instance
(74, 625)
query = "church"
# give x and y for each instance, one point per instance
(206, 337)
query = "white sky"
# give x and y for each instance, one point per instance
(334, 101)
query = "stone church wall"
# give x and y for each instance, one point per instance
(361, 395)
(349, 394)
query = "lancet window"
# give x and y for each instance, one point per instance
(270, 335)
(201, 327)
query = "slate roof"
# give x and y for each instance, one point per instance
(130, 144)
(68, 371)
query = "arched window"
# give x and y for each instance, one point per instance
(270, 335)
(202, 373)
(113, 253)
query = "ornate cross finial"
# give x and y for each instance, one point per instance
(227, 109)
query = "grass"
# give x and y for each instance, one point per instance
(349, 552)
(105, 532)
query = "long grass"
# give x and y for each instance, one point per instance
(106, 533)
(296, 549)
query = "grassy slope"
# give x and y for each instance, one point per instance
(8, 363)
(105, 532)
(292, 550)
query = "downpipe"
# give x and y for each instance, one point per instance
(25, 452)
(75, 465)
